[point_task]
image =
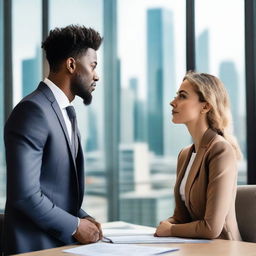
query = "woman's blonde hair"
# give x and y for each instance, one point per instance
(210, 89)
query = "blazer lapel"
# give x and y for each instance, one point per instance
(184, 167)
(180, 176)
(207, 138)
(48, 93)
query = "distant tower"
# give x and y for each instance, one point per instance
(31, 73)
(229, 76)
(134, 167)
(202, 52)
(160, 78)
(127, 116)
(92, 141)
(139, 114)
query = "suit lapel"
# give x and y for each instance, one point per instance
(48, 93)
(184, 160)
(184, 167)
(207, 138)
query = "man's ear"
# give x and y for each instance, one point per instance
(71, 65)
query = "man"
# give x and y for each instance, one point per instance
(45, 179)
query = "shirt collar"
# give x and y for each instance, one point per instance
(59, 95)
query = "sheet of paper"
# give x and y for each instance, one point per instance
(104, 249)
(128, 232)
(150, 239)
(117, 225)
(123, 225)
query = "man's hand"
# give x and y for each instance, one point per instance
(98, 225)
(87, 232)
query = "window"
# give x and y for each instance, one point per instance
(90, 118)
(151, 48)
(220, 51)
(26, 38)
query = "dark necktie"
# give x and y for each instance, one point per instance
(74, 141)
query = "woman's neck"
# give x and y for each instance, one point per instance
(197, 131)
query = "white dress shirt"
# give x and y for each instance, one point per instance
(184, 180)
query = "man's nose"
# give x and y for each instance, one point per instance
(96, 77)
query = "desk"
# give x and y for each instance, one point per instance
(217, 247)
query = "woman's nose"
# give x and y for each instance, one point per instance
(172, 103)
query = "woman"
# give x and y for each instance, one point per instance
(205, 188)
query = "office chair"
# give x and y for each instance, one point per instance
(1, 233)
(246, 212)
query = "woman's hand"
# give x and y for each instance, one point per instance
(164, 229)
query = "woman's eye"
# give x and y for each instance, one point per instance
(182, 96)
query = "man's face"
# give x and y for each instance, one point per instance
(84, 79)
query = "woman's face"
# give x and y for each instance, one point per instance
(186, 107)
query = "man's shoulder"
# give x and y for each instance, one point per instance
(37, 95)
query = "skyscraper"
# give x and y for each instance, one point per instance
(92, 140)
(139, 123)
(134, 167)
(229, 76)
(31, 73)
(127, 116)
(202, 52)
(160, 78)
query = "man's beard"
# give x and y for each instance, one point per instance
(80, 90)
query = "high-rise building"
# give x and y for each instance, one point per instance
(202, 52)
(134, 167)
(127, 115)
(160, 78)
(31, 73)
(147, 208)
(229, 76)
(139, 113)
(92, 140)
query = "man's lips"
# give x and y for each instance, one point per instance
(174, 112)
(93, 86)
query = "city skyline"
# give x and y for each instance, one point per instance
(133, 59)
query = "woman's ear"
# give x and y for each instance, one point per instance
(206, 108)
(71, 65)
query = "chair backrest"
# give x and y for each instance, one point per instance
(246, 212)
(1, 232)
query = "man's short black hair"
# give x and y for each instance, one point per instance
(70, 41)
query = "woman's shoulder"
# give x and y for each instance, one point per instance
(220, 146)
(219, 142)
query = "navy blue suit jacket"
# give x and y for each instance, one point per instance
(45, 184)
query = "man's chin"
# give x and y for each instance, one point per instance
(87, 100)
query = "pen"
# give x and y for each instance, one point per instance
(106, 240)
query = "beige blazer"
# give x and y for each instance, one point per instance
(210, 191)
